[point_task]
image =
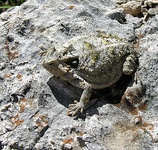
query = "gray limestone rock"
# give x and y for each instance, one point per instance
(33, 104)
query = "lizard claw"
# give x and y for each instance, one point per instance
(75, 108)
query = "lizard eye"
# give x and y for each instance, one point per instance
(73, 62)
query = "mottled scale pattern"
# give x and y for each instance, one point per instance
(91, 62)
(100, 60)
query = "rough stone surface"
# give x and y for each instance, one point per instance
(132, 7)
(33, 104)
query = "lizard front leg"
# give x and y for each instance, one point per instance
(79, 82)
(80, 106)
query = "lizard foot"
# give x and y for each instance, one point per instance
(75, 108)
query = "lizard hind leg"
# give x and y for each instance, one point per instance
(129, 65)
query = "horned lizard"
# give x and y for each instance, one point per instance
(90, 62)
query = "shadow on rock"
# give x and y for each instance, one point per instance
(65, 93)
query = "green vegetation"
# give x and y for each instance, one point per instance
(5, 4)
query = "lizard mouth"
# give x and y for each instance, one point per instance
(56, 68)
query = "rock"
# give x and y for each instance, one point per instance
(116, 14)
(120, 1)
(33, 104)
(153, 11)
(132, 7)
(150, 27)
